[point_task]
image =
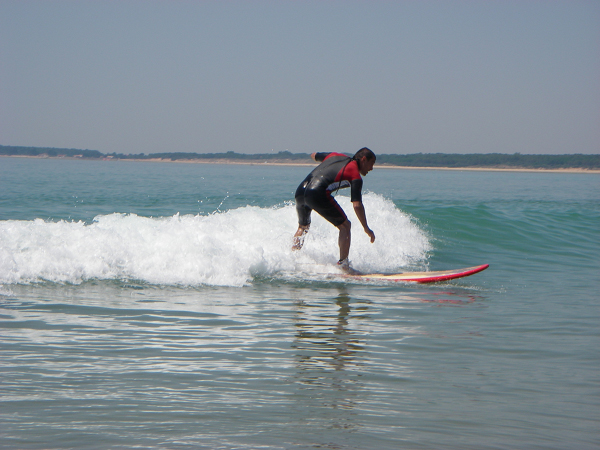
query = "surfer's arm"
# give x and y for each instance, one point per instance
(359, 209)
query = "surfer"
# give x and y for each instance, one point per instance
(336, 171)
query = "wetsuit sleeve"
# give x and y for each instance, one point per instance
(356, 190)
(320, 157)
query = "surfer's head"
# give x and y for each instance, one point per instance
(365, 159)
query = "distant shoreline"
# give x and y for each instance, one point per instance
(302, 163)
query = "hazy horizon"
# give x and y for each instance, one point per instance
(268, 76)
(283, 151)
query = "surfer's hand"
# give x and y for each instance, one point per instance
(371, 234)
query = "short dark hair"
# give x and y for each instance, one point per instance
(364, 152)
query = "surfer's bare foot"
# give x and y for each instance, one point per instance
(297, 245)
(344, 266)
(299, 238)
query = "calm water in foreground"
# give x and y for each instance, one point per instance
(156, 305)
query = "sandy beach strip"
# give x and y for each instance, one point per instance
(377, 166)
(276, 162)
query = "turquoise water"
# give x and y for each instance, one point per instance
(157, 305)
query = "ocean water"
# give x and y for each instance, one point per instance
(158, 306)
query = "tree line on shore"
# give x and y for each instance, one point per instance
(475, 160)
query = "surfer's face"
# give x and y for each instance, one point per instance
(365, 165)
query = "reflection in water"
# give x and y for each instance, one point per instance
(329, 358)
(344, 365)
(441, 298)
(450, 298)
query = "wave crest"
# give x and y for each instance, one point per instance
(223, 249)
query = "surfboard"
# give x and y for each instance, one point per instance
(423, 277)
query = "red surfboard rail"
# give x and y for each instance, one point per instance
(425, 277)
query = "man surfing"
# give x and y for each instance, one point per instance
(336, 171)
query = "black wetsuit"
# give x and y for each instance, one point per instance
(336, 171)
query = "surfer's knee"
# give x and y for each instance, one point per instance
(345, 226)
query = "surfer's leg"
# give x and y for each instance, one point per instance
(344, 239)
(323, 203)
(344, 242)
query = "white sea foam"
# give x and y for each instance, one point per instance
(227, 248)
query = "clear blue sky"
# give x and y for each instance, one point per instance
(407, 76)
